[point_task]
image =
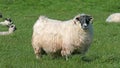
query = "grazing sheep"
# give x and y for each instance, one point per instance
(7, 22)
(65, 37)
(11, 29)
(115, 17)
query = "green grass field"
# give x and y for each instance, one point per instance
(16, 50)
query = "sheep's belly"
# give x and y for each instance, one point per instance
(52, 48)
(52, 44)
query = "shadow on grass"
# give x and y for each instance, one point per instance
(111, 59)
(89, 59)
(107, 59)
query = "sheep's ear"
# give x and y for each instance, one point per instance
(77, 18)
(91, 19)
(8, 19)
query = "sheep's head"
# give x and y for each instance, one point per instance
(12, 27)
(9, 21)
(84, 20)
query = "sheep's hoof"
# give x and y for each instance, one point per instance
(37, 57)
(66, 58)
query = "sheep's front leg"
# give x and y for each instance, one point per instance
(66, 53)
(66, 57)
(37, 52)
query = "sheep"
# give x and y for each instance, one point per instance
(11, 29)
(115, 17)
(7, 22)
(65, 37)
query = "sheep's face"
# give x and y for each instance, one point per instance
(12, 27)
(84, 20)
(8, 19)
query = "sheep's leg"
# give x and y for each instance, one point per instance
(37, 52)
(66, 58)
(84, 50)
(65, 52)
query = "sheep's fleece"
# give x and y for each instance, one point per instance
(115, 17)
(62, 37)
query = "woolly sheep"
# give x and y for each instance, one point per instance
(115, 17)
(65, 37)
(11, 29)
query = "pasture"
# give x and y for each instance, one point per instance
(16, 50)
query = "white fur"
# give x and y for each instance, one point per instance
(60, 36)
(10, 30)
(115, 17)
(5, 23)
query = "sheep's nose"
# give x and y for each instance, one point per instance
(85, 25)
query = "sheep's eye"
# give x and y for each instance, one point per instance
(11, 26)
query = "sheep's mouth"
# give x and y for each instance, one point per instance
(85, 28)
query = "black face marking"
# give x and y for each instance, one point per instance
(84, 20)
(13, 26)
(8, 19)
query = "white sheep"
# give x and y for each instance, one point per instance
(65, 37)
(7, 22)
(11, 29)
(115, 17)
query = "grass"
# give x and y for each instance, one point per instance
(16, 50)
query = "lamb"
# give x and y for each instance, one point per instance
(65, 37)
(115, 17)
(11, 29)
(7, 22)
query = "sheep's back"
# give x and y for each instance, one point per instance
(113, 18)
